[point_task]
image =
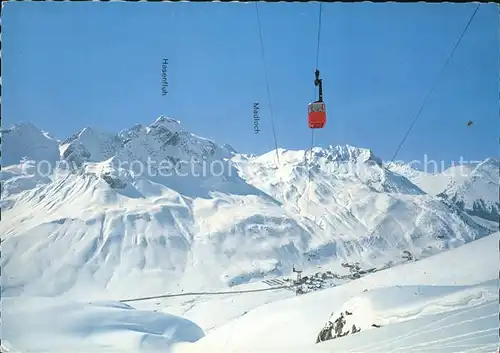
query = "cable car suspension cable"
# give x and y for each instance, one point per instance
(435, 83)
(317, 62)
(319, 36)
(269, 99)
(267, 82)
(307, 163)
(317, 65)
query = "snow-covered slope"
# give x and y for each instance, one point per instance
(90, 327)
(430, 182)
(155, 208)
(473, 188)
(445, 303)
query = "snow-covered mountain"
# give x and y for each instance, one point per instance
(156, 209)
(165, 209)
(473, 188)
(26, 142)
(350, 196)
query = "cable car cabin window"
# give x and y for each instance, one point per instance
(316, 108)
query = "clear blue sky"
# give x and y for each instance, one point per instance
(70, 65)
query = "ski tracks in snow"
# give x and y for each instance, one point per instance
(481, 317)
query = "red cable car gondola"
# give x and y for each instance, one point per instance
(317, 110)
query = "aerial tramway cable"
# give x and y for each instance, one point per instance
(267, 82)
(417, 116)
(306, 161)
(317, 60)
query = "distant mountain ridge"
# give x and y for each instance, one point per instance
(474, 188)
(108, 223)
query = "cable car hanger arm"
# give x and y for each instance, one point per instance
(319, 82)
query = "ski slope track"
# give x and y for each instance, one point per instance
(84, 220)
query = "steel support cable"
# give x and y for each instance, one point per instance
(434, 85)
(308, 163)
(319, 35)
(317, 66)
(267, 82)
